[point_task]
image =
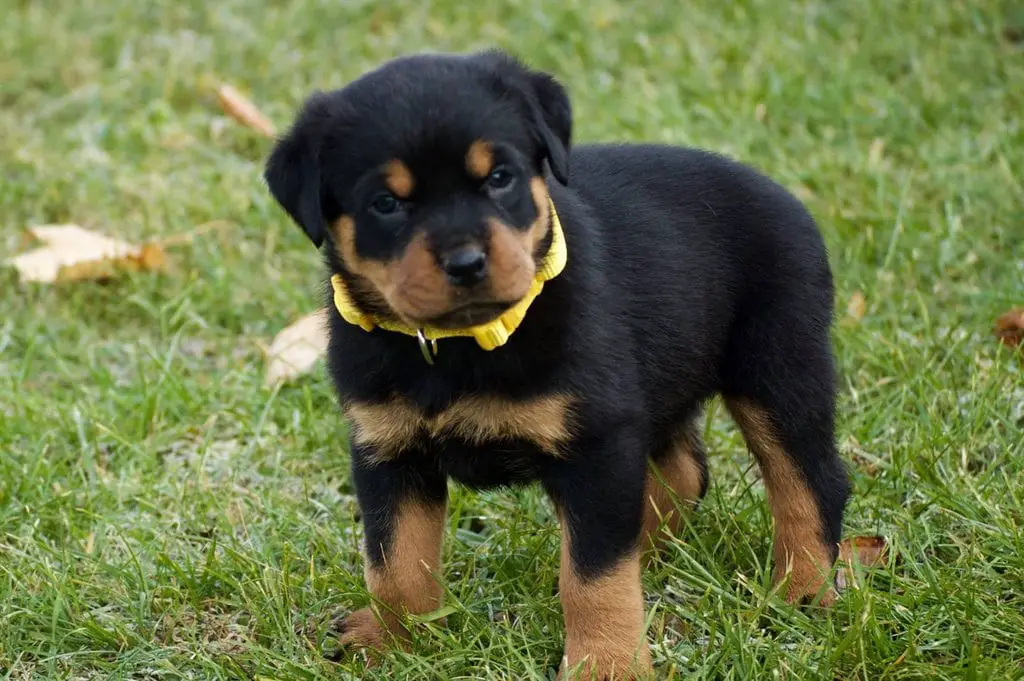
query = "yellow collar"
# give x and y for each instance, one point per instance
(488, 336)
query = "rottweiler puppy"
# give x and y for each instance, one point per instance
(506, 309)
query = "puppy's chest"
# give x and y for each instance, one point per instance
(397, 426)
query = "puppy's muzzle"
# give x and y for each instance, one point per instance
(466, 266)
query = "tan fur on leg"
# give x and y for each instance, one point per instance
(674, 482)
(406, 583)
(800, 554)
(604, 622)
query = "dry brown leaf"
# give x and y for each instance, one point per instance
(1010, 328)
(71, 253)
(867, 552)
(857, 306)
(297, 348)
(239, 107)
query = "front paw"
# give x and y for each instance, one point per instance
(811, 593)
(805, 583)
(366, 629)
(605, 661)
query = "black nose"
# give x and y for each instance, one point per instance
(465, 266)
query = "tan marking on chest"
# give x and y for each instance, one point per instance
(397, 425)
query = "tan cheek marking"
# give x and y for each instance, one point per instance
(510, 265)
(604, 620)
(421, 290)
(376, 272)
(479, 159)
(399, 179)
(799, 549)
(539, 229)
(411, 288)
(395, 426)
(682, 477)
(372, 280)
(408, 581)
(344, 229)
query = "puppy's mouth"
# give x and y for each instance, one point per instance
(470, 314)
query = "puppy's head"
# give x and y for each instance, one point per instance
(425, 178)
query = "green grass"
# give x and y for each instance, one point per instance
(163, 516)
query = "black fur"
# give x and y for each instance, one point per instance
(689, 275)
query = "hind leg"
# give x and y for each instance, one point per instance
(782, 396)
(676, 481)
(806, 493)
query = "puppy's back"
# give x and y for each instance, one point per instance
(699, 211)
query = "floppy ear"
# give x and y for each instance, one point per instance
(553, 114)
(546, 100)
(293, 177)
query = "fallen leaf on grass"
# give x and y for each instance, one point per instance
(1010, 328)
(297, 348)
(864, 551)
(71, 253)
(857, 306)
(239, 107)
(868, 551)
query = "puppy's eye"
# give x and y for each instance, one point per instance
(500, 178)
(385, 204)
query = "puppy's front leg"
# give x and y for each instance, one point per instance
(403, 503)
(598, 492)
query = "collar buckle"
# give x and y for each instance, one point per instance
(428, 348)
